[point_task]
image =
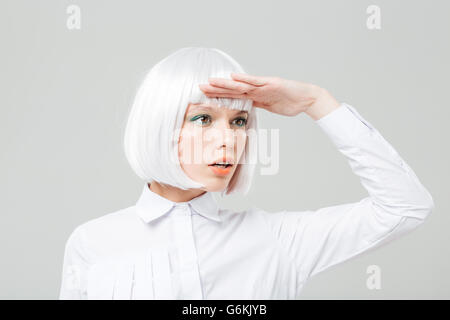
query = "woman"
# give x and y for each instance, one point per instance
(175, 243)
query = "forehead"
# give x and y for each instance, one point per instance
(213, 108)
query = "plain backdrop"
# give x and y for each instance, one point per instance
(65, 95)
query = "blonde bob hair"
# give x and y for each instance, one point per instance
(158, 112)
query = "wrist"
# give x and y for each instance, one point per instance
(324, 104)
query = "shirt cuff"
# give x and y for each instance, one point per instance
(344, 125)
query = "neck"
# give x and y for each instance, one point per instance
(173, 193)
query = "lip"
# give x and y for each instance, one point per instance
(220, 171)
(224, 159)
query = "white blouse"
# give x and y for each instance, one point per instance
(159, 249)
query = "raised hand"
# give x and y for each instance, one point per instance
(275, 94)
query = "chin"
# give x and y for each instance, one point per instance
(216, 185)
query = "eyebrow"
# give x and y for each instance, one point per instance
(197, 107)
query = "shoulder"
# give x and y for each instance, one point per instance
(282, 220)
(94, 234)
(108, 222)
(249, 213)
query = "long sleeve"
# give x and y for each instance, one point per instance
(396, 203)
(75, 266)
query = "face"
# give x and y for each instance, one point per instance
(212, 134)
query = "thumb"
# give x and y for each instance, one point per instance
(250, 79)
(259, 105)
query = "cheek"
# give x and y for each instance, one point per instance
(241, 140)
(190, 147)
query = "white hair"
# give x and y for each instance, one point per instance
(158, 113)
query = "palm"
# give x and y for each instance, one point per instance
(281, 96)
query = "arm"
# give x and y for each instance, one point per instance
(75, 266)
(396, 203)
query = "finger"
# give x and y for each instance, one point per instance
(210, 89)
(235, 96)
(229, 84)
(259, 105)
(226, 95)
(253, 80)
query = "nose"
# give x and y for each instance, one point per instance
(224, 135)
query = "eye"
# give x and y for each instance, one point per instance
(202, 118)
(241, 122)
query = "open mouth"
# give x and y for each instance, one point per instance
(221, 169)
(219, 165)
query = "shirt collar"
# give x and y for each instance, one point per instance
(151, 205)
